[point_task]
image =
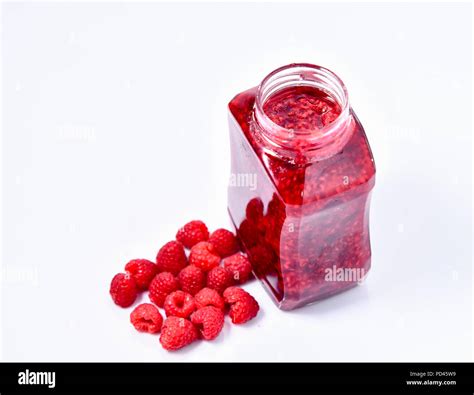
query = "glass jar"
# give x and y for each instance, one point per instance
(301, 177)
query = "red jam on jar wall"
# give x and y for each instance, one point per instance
(301, 177)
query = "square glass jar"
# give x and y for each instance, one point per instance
(302, 173)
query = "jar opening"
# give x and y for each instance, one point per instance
(291, 135)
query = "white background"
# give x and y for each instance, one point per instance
(115, 134)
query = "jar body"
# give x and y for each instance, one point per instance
(304, 226)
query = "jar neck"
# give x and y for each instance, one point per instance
(303, 145)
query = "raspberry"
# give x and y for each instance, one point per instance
(146, 318)
(244, 310)
(240, 267)
(142, 271)
(171, 258)
(192, 279)
(243, 306)
(209, 321)
(161, 286)
(192, 233)
(224, 242)
(204, 256)
(177, 333)
(179, 304)
(234, 294)
(219, 279)
(123, 289)
(209, 297)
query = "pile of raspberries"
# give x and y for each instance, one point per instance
(195, 292)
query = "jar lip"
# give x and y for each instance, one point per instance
(326, 130)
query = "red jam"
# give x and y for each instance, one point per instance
(301, 177)
(301, 108)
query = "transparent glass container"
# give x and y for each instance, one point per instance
(301, 177)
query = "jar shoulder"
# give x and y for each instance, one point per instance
(350, 171)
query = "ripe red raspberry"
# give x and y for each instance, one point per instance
(179, 304)
(192, 279)
(209, 297)
(209, 321)
(235, 294)
(219, 279)
(123, 290)
(240, 267)
(146, 318)
(224, 242)
(244, 310)
(243, 306)
(142, 271)
(204, 256)
(171, 258)
(192, 233)
(161, 286)
(177, 333)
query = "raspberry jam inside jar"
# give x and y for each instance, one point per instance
(301, 177)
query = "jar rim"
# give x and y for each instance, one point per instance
(304, 69)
